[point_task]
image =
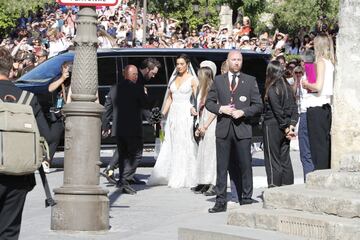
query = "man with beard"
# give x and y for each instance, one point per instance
(148, 70)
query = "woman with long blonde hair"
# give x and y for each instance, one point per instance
(206, 156)
(319, 102)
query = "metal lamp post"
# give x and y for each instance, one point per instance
(82, 205)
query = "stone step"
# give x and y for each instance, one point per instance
(297, 223)
(333, 180)
(228, 232)
(298, 197)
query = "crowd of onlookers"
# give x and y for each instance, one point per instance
(50, 29)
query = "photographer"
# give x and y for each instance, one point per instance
(62, 88)
(13, 189)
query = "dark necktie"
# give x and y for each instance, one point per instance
(233, 81)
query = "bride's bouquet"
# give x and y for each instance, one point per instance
(155, 116)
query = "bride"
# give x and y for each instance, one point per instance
(176, 163)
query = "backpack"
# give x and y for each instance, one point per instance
(21, 147)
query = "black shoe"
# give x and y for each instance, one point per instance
(211, 191)
(203, 189)
(109, 175)
(197, 188)
(135, 181)
(246, 201)
(219, 207)
(125, 188)
(128, 190)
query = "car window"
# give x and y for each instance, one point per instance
(160, 77)
(107, 71)
(256, 67)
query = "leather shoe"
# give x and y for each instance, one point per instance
(197, 188)
(246, 201)
(135, 181)
(211, 191)
(219, 207)
(128, 190)
(203, 189)
(125, 188)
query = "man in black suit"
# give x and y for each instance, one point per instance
(148, 69)
(130, 99)
(234, 97)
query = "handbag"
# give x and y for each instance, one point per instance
(195, 127)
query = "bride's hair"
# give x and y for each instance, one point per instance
(185, 57)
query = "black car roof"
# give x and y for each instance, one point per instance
(176, 51)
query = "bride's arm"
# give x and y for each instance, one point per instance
(167, 104)
(194, 86)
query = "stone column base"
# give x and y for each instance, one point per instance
(92, 209)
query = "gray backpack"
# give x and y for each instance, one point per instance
(21, 147)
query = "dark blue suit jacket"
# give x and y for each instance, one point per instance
(246, 97)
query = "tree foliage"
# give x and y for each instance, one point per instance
(291, 15)
(11, 10)
(183, 9)
(288, 15)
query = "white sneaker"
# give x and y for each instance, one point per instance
(46, 166)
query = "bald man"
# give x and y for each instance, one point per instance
(129, 101)
(234, 97)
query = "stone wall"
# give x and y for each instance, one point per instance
(346, 112)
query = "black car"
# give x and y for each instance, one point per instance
(111, 62)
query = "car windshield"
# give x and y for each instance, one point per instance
(47, 71)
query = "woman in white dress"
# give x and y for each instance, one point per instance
(176, 164)
(206, 156)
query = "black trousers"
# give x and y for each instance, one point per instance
(130, 152)
(278, 165)
(319, 125)
(12, 199)
(129, 169)
(233, 155)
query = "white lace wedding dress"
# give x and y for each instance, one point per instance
(206, 156)
(176, 164)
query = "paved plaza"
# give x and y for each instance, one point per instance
(154, 213)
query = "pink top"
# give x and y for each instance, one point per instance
(310, 72)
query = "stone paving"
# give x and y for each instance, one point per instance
(154, 213)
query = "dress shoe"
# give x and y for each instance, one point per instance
(125, 188)
(246, 201)
(109, 175)
(197, 188)
(203, 189)
(219, 207)
(211, 191)
(128, 190)
(135, 181)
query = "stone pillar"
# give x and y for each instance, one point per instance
(226, 18)
(346, 112)
(82, 205)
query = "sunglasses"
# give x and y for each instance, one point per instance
(298, 72)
